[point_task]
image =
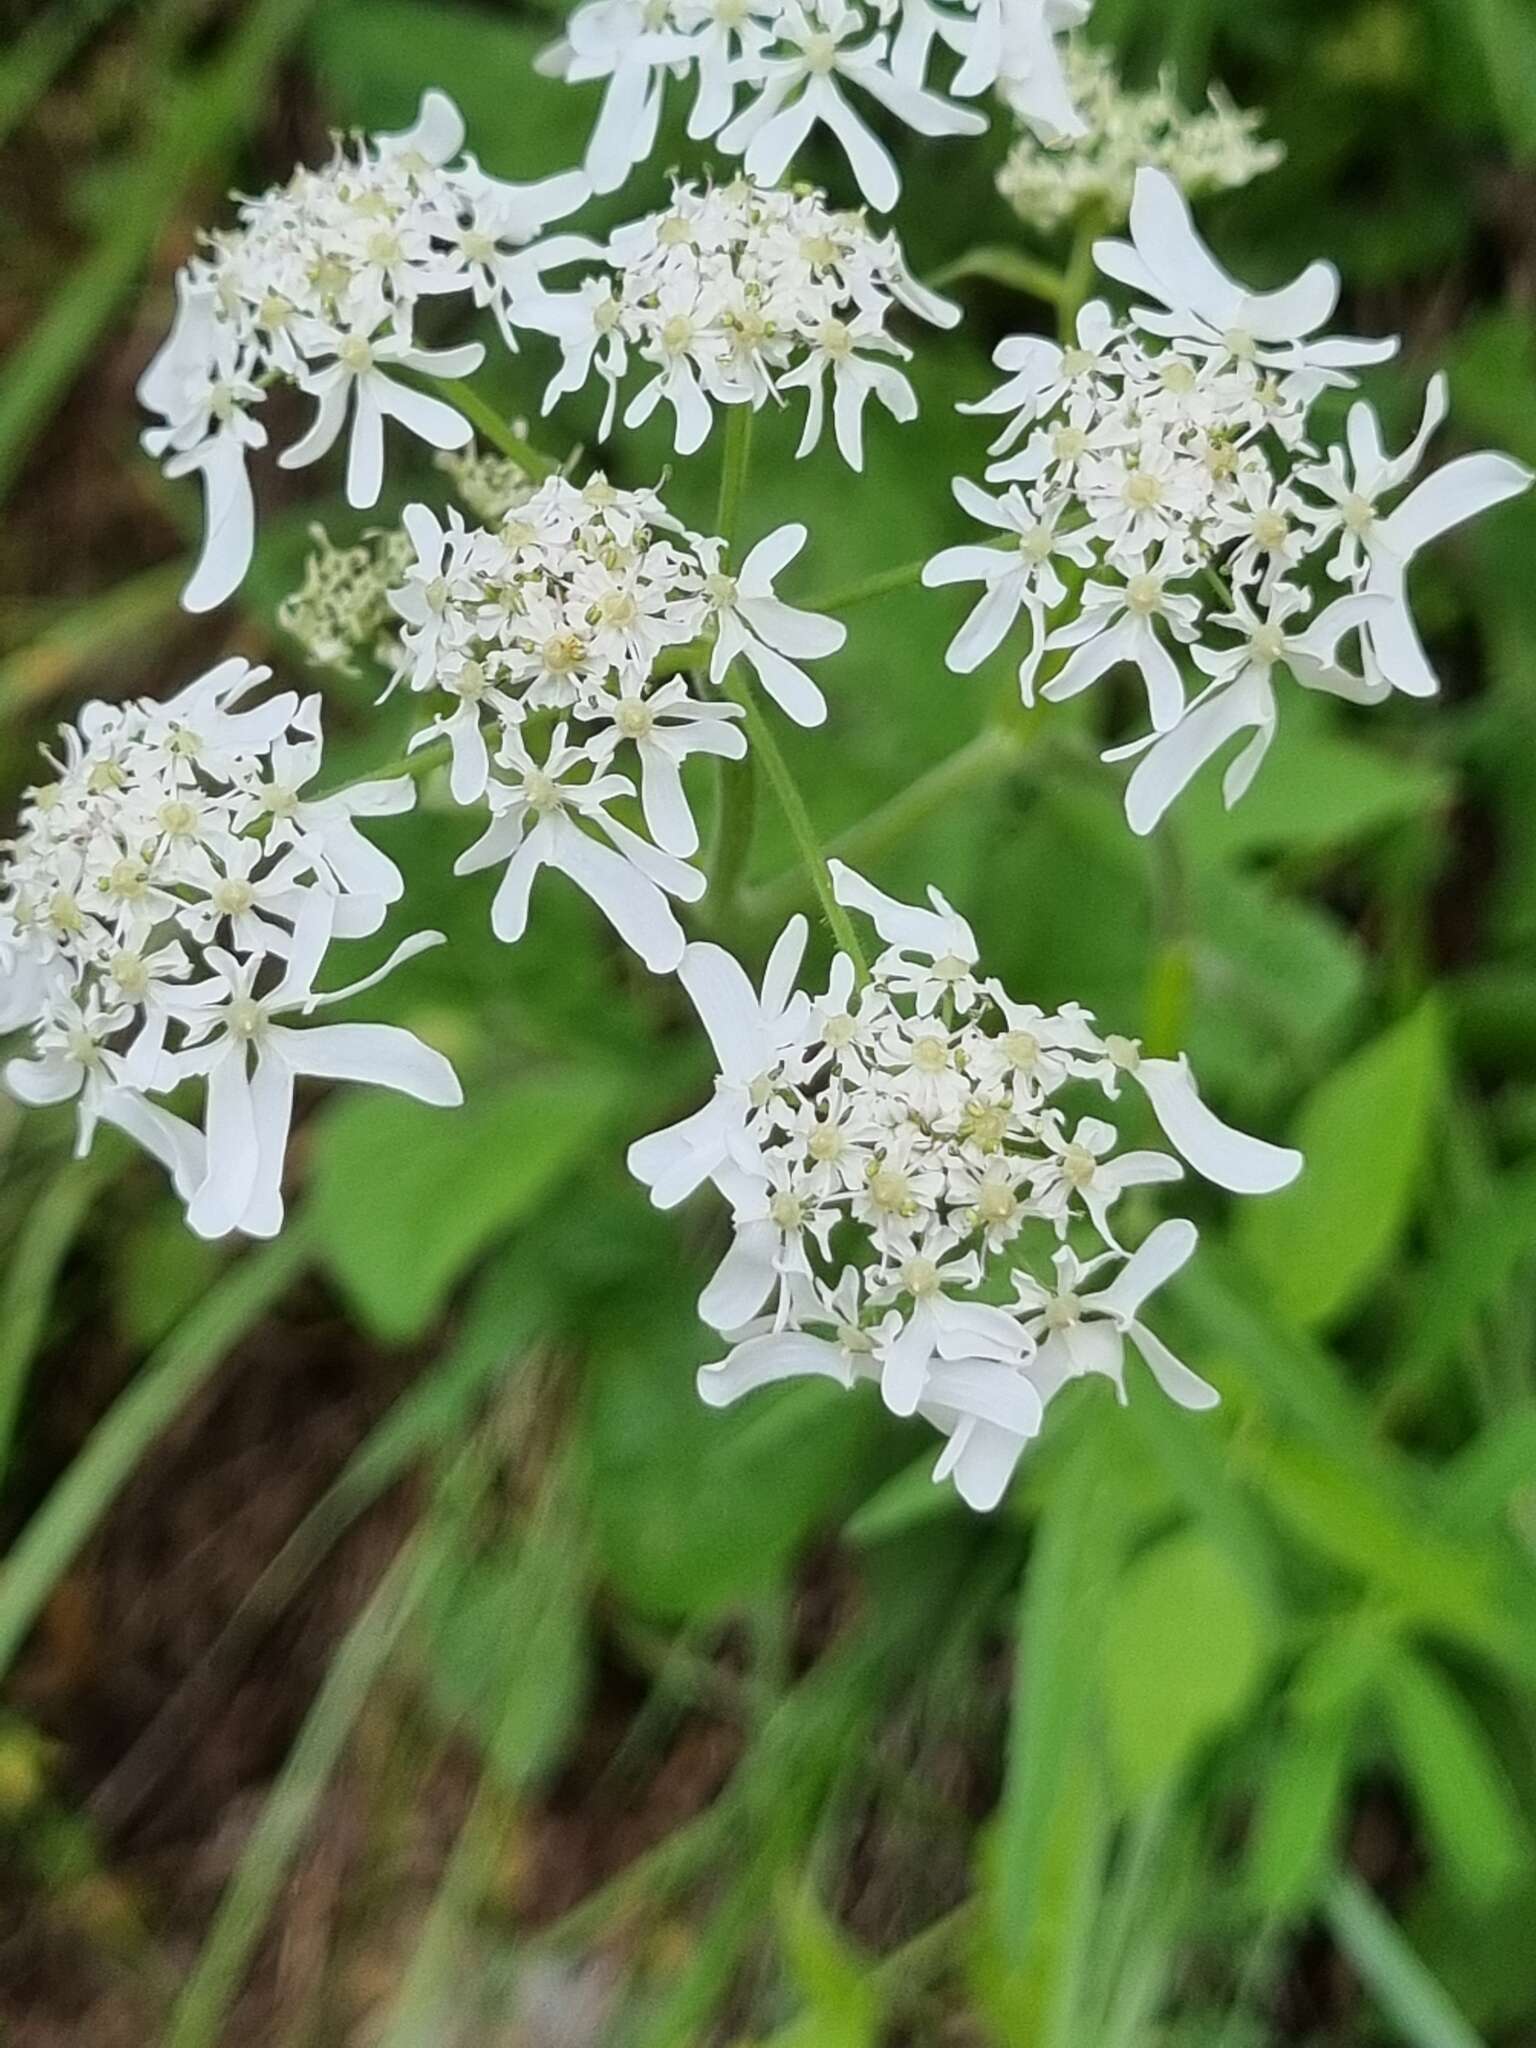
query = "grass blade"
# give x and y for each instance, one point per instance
(42, 1245)
(247, 1902)
(178, 1369)
(1410, 1995)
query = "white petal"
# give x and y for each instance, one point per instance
(383, 1055)
(743, 1280)
(1172, 1374)
(1232, 1159)
(766, 1361)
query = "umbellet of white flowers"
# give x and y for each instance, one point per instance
(1050, 181)
(341, 614)
(165, 911)
(320, 286)
(545, 640)
(768, 73)
(736, 295)
(914, 1202)
(1166, 500)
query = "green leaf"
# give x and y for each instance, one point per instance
(842, 2003)
(1473, 1270)
(1467, 1803)
(1406, 1990)
(507, 1653)
(1319, 793)
(1295, 1839)
(1364, 1133)
(1066, 1590)
(696, 1510)
(405, 1197)
(1185, 1648)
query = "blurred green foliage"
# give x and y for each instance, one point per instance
(1225, 1637)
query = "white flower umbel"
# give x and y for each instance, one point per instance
(164, 912)
(545, 645)
(1052, 182)
(768, 73)
(1165, 507)
(320, 286)
(735, 296)
(912, 1201)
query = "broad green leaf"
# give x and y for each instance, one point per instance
(1185, 1649)
(506, 1652)
(696, 1510)
(1318, 793)
(1303, 1786)
(1464, 1798)
(1364, 1133)
(1067, 1589)
(404, 1197)
(1473, 1270)
(1374, 1532)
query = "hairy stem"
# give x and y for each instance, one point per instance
(987, 758)
(490, 426)
(765, 749)
(735, 460)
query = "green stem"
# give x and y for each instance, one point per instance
(765, 748)
(880, 584)
(735, 460)
(988, 757)
(732, 839)
(1077, 283)
(490, 426)
(1170, 984)
(1006, 266)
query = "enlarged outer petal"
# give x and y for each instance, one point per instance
(630, 901)
(178, 1145)
(979, 1460)
(1166, 770)
(904, 1362)
(1166, 1251)
(987, 1391)
(1233, 1160)
(1173, 1376)
(436, 135)
(233, 1149)
(383, 1054)
(937, 933)
(675, 1162)
(767, 1361)
(229, 521)
(743, 1280)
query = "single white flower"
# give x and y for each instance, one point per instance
(755, 625)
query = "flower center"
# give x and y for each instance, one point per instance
(820, 52)
(355, 354)
(787, 1211)
(634, 718)
(562, 652)
(930, 1055)
(247, 1018)
(1267, 646)
(891, 1191)
(1359, 513)
(1124, 1053)
(1078, 1164)
(835, 337)
(233, 896)
(995, 1203)
(922, 1278)
(1142, 491)
(1144, 595)
(1063, 1311)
